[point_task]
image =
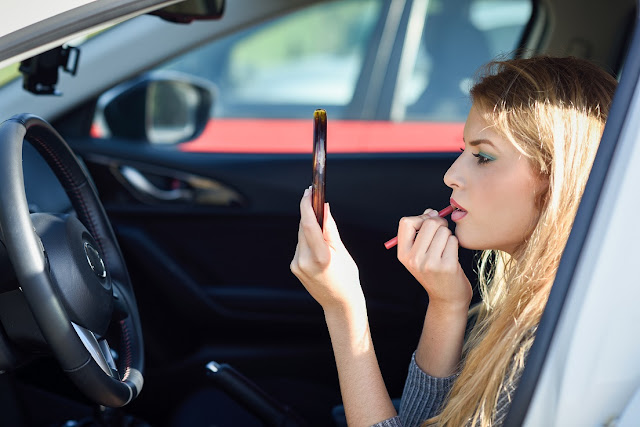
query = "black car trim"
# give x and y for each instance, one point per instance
(575, 245)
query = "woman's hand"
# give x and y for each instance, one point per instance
(326, 269)
(431, 256)
(322, 263)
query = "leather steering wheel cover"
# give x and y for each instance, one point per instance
(29, 261)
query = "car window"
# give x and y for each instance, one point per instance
(311, 57)
(8, 73)
(403, 69)
(458, 37)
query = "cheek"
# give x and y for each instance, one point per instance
(493, 195)
(521, 211)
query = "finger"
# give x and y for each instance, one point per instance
(310, 227)
(407, 229)
(302, 248)
(451, 248)
(330, 229)
(425, 236)
(427, 232)
(438, 242)
(295, 261)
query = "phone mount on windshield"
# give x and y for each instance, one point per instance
(40, 73)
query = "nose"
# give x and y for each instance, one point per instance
(452, 178)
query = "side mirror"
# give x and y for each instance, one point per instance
(158, 108)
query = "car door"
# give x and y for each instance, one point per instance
(209, 226)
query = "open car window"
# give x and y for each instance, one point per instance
(370, 62)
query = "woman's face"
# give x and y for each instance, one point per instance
(495, 189)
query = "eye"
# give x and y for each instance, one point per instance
(483, 158)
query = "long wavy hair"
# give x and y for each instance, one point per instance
(553, 110)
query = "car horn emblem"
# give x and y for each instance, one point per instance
(95, 260)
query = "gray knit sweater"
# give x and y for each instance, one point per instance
(424, 396)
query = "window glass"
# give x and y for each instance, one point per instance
(9, 73)
(458, 37)
(415, 60)
(287, 67)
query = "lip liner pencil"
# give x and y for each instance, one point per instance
(444, 212)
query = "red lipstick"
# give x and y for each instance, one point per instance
(459, 211)
(444, 212)
(455, 204)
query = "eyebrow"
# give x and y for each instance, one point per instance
(477, 142)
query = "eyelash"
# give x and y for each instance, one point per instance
(482, 158)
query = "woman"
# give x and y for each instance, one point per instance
(529, 143)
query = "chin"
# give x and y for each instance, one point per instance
(466, 242)
(473, 243)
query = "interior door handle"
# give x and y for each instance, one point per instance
(140, 183)
(183, 187)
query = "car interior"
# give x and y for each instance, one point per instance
(197, 293)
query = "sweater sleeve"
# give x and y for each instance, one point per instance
(422, 398)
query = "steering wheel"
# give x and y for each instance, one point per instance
(70, 269)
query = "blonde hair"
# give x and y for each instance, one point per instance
(553, 110)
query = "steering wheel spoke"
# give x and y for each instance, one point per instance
(99, 350)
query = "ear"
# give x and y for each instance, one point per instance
(541, 190)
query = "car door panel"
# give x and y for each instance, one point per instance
(222, 272)
(271, 186)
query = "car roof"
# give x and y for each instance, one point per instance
(50, 24)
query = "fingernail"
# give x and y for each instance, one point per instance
(306, 191)
(433, 213)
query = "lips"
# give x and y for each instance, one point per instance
(459, 211)
(456, 205)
